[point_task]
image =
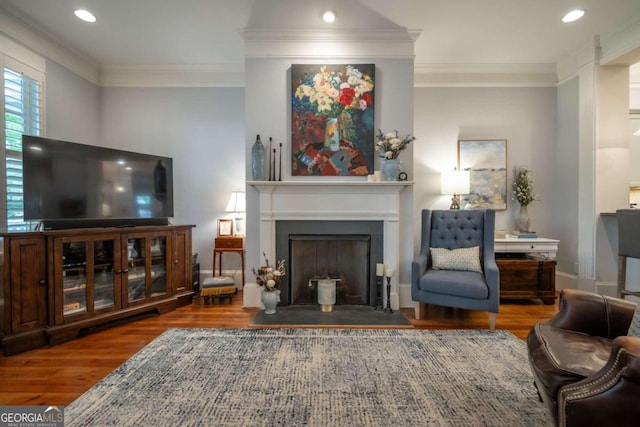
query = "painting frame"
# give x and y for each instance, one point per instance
(486, 161)
(332, 119)
(225, 228)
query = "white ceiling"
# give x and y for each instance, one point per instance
(207, 32)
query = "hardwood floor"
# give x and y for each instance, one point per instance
(58, 375)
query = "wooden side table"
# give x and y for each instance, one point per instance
(527, 268)
(228, 244)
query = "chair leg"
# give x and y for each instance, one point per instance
(492, 321)
(418, 307)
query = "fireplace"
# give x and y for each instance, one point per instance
(344, 250)
(330, 211)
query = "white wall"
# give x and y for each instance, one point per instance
(202, 129)
(525, 117)
(565, 181)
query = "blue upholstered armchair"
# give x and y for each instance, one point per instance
(456, 266)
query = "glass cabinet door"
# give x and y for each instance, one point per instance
(146, 267)
(136, 269)
(74, 278)
(104, 290)
(158, 250)
(88, 281)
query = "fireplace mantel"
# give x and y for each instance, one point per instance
(340, 200)
(307, 200)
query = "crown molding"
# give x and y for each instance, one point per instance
(622, 47)
(337, 44)
(42, 45)
(156, 75)
(485, 75)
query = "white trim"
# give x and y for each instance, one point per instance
(621, 47)
(485, 75)
(150, 75)
(335, 44)
(42, 45)
(21, 54)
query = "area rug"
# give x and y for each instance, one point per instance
(342, 315)
(317, 377)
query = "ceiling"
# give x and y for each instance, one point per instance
(207, 32)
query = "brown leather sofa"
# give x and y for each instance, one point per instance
(586, 370)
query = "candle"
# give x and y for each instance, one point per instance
(379, 269)
(390, 272)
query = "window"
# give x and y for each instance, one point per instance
(22, 103)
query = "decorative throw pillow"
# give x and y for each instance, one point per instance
(467, 259)
(634, 328)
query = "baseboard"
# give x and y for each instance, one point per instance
(566, 281)
(607, 288)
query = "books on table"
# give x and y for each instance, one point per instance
(524, 234)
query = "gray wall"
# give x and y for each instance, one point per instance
(525, 117)
(72, 106)
(202, 129)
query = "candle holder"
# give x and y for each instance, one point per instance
(379, 293)
(388, 309)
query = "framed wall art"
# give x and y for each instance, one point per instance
(332, 119)
(225, 227)
(486, 161)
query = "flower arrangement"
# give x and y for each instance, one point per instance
(268, 276)
(389, 145)
(334, 92)
(523, 186)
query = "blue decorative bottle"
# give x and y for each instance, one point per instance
(257, 160)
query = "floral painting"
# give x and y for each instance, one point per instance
(486, 161)
(332, 123)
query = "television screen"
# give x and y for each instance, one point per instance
(70, 181)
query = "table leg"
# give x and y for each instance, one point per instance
(242, 255)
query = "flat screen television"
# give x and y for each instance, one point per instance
(69, 185)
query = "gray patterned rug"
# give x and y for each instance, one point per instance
(317, 377)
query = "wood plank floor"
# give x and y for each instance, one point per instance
(58, 375)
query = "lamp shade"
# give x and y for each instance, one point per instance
(237, 202)
(455, 182)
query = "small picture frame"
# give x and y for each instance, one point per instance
(225, 228)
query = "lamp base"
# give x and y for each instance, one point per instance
(455, 203)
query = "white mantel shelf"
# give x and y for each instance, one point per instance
(339, 200)
(399, 185)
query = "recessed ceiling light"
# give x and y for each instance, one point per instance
(85, 15)
(574, 15)
(329, 16)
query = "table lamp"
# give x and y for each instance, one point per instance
(455, 182)
(237, 206)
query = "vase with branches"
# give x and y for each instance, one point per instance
(524, 194)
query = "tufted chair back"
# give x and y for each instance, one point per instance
(457, 229)
(453, 229)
